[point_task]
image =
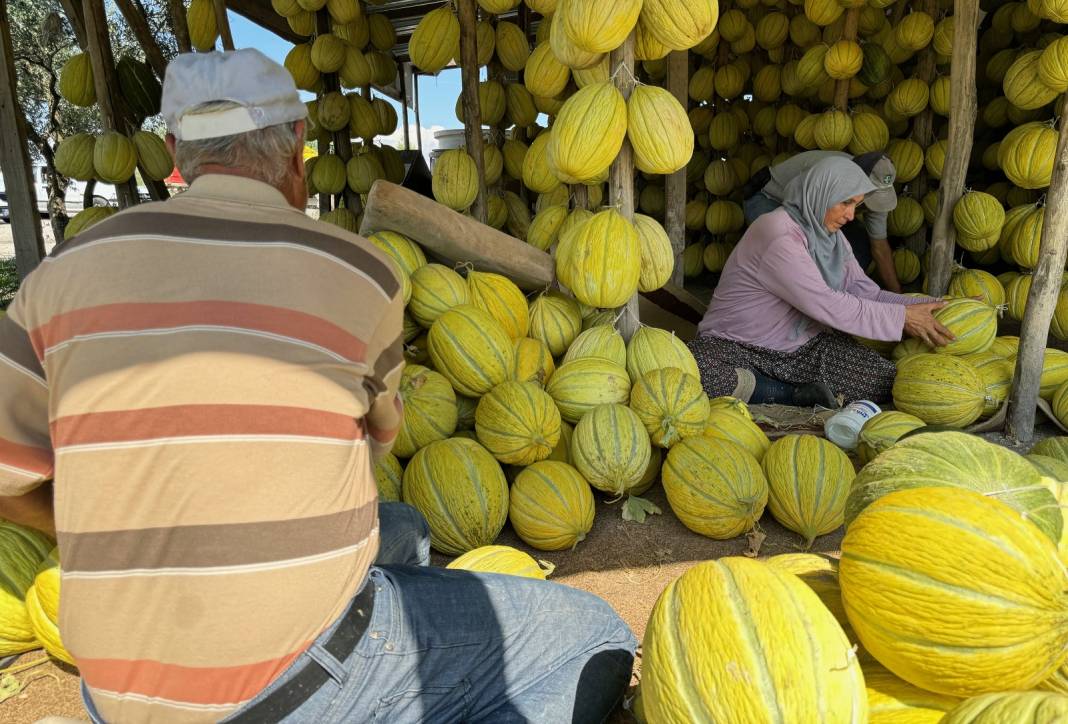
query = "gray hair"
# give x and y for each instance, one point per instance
(263, 154)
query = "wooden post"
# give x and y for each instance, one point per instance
(923, 126)
(472, 111)
(580, 196)
(961, 129)
(1042, 299)
(343, 138)
(73, 11)
(15, 161)
(418, 120)
(223, 23)
(621, 175)
(849, 32)
(181, 26)
(135, 18)
(108, 95)
(678, 79)
(406, 79)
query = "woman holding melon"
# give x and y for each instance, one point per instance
(791, 295)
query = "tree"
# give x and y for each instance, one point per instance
(43, 39)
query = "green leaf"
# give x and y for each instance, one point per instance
(637, 509)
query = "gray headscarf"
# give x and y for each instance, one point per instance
(807, 198)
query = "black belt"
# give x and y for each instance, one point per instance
(284, 700)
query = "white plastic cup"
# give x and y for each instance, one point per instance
(843, 429)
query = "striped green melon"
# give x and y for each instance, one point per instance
(996, 374)
(21, 551)
(727, 425)
(957, 460)
(611, 449)
(940, 390)
(954, 591)
(461, 491)
(895, 701)
(908, 348)
(500, 559)
(435, 289)
(429, 410)
(652, 471)
(503, 300)
(408, 255)
(518, 423)
(86, 218)
(74, 157)
(651, 348)
(1014, 707)
(562, 452)
(389, 476)
(578, 387)
(808, 481)
(1054, 372)
(976, 282)
(602, 341)
(671, 404)
(465, 412)
(730, 404)
(715, 487)
(556, 321)
(882, 431)
(737, 640)
(1005, 346)
(973, 323)
(551, 506)
(471, 349)
(1050, 467)
(533, 362)
(1054, 447)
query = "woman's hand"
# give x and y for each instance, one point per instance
(920, 323)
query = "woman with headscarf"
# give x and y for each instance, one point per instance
(791, 294)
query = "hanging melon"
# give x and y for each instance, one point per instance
(977, 283)
(200, 19)
(738, 640)
(588, 133)
(551, 506)
(600, 260)
(1026, 155)
(610, 447)
(76, 84)
(955, 459)
(1022, 85)
(455, 179)
(659, 131)
(679, 24)
(545, 76)
(955, 592)
(471, 350)
(583, 384)
(461, 491)
(715, 487)
(599, 27)
(74, 157)
(429, 410)
(87, 218)
(114, 157)
(671, 404)
(500, 559)
(808, 481)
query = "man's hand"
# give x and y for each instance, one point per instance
(920, 323)
(884, 263)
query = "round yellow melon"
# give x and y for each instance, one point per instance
(715, 487)
(610, 447)
(671, 404)
(518, 423)
(533, 362)
(729, 425)
(588, 133)
(455, 179)
(87, 218)
(500, 559)
(659, 131)
(408, 255)
(76, 84)
(42, 607)
(389, 477)
(600, 260)
(939, 389)
(1026, 155)
(679, 24)
(808, 481)
(656, 252)
(583, 384)
(21, 552)
(429, 410)
(651, 348)
(471, 349)
(882, 431)
(556, 321)
(602, 342)
(599, 27)
(551, 506)
(435, 290)
(738, 640)
(545, 76)
(502, 299)
(74, 157)
(973, 323)
(114, 157)
(955, 592)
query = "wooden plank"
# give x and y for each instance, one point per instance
(134, 15)
(181, 27)
(469, 94)
(621, 175)
(1042, 299)
(580, 197)
(108, 94)
(15, 161)
(849, 32)
(959, 149)
(454, 236)
(678, 80)
(223, 24)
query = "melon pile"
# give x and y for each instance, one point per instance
(948, 604)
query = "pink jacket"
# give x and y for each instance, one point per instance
(772, 295)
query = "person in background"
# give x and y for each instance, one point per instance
(209, 380)
(766, 191)
(790, 295)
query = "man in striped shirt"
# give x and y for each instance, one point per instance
(207, 380)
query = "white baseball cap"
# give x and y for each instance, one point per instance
(263, 91)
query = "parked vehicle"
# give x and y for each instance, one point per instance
(103, 195)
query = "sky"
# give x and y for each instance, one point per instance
(437, 94)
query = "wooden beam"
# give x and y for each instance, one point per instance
(849, 32)
(678, 79)
(406, 78)
(469, 95)
(15, 161)
(1042, 299)
(621, 175)
(134, 15)
(223, 23)
(962, 116)
(180, 25)
(454, 236)
(415, 103)
(108, 94)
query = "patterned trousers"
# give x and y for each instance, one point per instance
(849, 368)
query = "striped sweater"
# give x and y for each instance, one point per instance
(207, 380)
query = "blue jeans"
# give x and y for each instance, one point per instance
(456, 646)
